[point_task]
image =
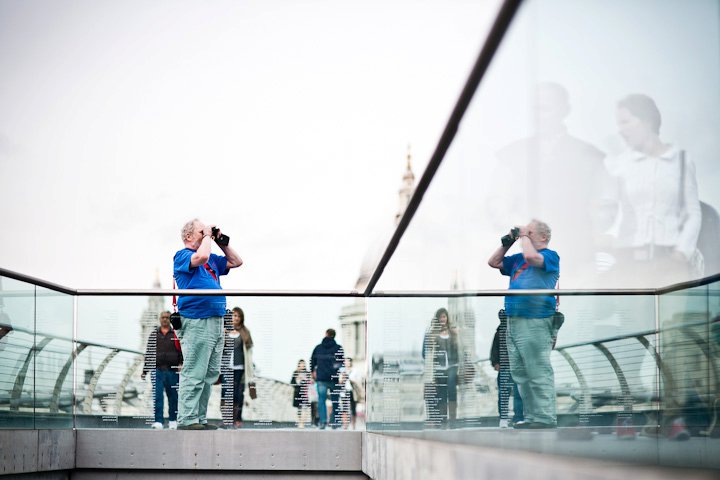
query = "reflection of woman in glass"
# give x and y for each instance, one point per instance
(660, 212)
(240, 362)
(440, 352)
(301, 382)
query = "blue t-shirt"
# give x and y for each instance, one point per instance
(201, 279)
(532, 278)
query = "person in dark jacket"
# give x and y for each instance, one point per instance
(163, 358)
(499, 360)
(325, 362)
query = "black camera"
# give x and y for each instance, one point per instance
(510, 238)
(221, 239)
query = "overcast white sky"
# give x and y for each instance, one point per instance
(286, 123)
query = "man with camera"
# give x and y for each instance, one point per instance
(530, 330)
(201, 317)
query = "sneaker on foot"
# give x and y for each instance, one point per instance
(194, 426)
(172, 425)
(504, 423)
(209, 426)
(541, 425)
(157, 426)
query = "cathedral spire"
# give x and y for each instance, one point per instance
(406, 189)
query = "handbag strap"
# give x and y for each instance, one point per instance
(174, 297)
(681, 198)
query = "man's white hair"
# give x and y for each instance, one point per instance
(188, 229)
(543, 228)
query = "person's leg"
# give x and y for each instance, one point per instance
(196, 355)
(214, 341)
(503, 393)
(452, 392)
(314, 410)
(515, 341)
(353, 410)
(539, 386)
(518, 409)
(322, 388)
(172, 394)
(335, 415)
(159, 406)
(441, 385)
(239, 394)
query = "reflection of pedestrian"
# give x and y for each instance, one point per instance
(530, 320)
(163, 358)
(202, 319)
(354, 389)
(660, 215)
(505, 384)
(301, 382)
(239, 361)
(440, 354)
(560, 178)
(325, 362)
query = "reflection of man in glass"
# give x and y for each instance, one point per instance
(163, 357)
(660, 216)
(530, 329)
(557, 177)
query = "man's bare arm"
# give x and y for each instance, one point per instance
(233, 259)
(202, 255)
(496, 259)
(531, 255)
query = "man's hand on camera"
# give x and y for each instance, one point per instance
(509, 239)
(522, 231)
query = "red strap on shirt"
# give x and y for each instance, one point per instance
(522, 268)
(212, 272)
(176, 341)
(174, 297)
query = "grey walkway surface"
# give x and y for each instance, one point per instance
(485, 454)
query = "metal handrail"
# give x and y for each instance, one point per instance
(497, 32)
(353, 293)
(68, 339)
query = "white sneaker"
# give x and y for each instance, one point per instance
(172, 425)
(157, 426)
(504, 423)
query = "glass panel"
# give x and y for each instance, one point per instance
(690, 392)
(549, 135)
(605, 374)
(283, 330)
(54, 363)
(17, 362)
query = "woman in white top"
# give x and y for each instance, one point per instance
(660, 216)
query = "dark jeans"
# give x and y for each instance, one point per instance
(167, 381)
(440, 393)
(238, 392)
(505, 384)
(325, 390)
